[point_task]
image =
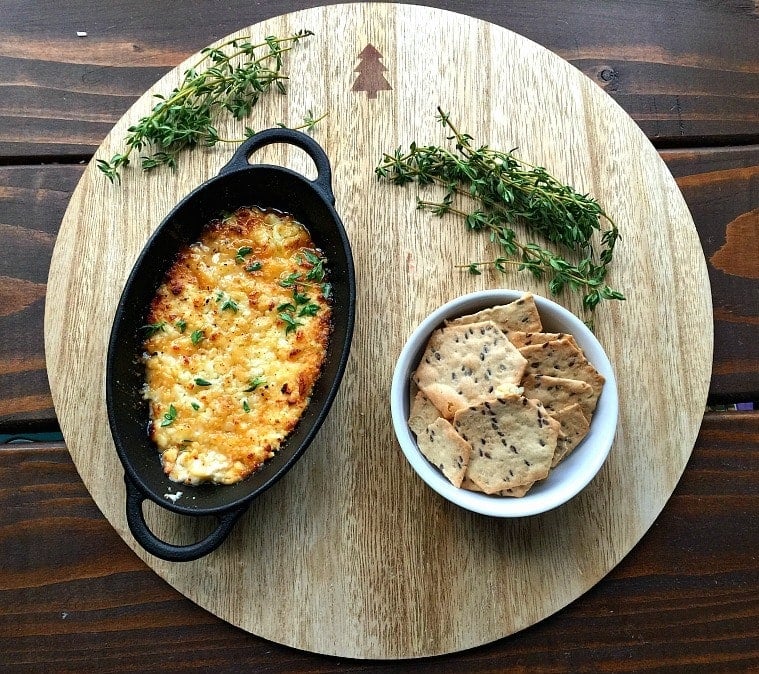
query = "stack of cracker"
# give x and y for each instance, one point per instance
(497, 402)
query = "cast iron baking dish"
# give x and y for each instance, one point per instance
(239, 183)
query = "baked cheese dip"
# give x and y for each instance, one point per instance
(236, 337)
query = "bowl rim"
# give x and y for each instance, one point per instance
(582, 465)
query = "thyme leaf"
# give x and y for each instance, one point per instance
(492, 190)
(229, 78)
(170, 416)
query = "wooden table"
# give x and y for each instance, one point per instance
(76, 598)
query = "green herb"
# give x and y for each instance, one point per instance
(169, 417)
(154, 328)
(245, 406)
(505, 190)
(299, 297)
(316, 273)
(229, 78)
(287, 306)
(290, 322)
(181, 325)
(197, 336)
(290, 280)
(253, 384)
(195, 406)
(228, 302)
(241, 253)
(301, 303)
(308, 310)
(202, 382)
(253, 266)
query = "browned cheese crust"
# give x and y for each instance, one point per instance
(237, 336)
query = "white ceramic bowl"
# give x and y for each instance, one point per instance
(572, 474)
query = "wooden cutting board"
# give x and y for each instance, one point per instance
(351, 554)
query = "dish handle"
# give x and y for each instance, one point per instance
(174, 553)
(323, 181)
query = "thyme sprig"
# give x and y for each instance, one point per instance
(504, 191)
(230, 77)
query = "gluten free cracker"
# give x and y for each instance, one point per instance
(422, 413)
(513, 441)
(557, 393)
(560, 358)
(574, 427)
(521, 315)
(466, 363)
(520, 339)
(445, 448)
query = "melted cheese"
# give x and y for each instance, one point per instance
(235, 346)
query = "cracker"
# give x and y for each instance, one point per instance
(558, 392)
(422, 413)
(513, 442)
(574, 426)
(521, 314)
(519, 491)
(559, 358)
(520, 339)
(464, 364)
(445, 449)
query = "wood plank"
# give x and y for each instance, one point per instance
(664, 63)
(687, 594)
(32, 203)
(721, 187)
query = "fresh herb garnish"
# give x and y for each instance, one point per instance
(154, 328)
(308, 310)
(299, 297)
(230, 77)
(506, 190)
(290, 322)
(227, 302)
(298, 282)
(254, 383)
(169, 417)
(253, 266)
(197, 337)
(181, 325)
(290, 280)
(202, 382)
(241, 253)
(195, 406)
(245, 406)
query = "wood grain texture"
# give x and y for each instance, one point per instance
(74, 597)
(718, 184)
(723, 195)
(684, 71)
(32, 204)
(366, 570)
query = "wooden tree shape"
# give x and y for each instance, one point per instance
(370, 69)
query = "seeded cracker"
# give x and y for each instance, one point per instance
(521, 314)
(464, 364)
(520, 339)
(574, 426)
(521, 490)
(557, 392)
(445, 449)
(422, 413)
(558, 358)
(513, 442)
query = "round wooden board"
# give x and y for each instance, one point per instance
(351, 554)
